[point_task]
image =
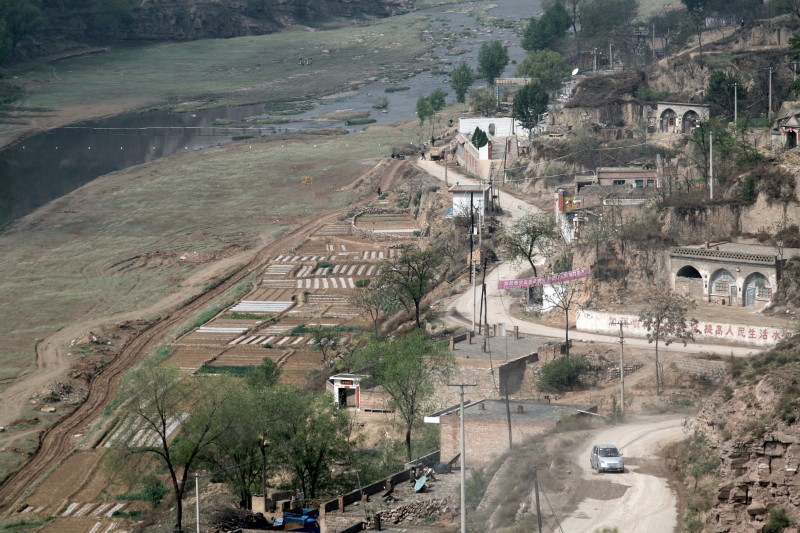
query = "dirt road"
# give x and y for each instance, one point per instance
(635, 500)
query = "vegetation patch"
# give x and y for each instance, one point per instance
(237, 371)
(396, 89)
(359, 121)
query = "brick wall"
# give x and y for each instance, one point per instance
(715, 370)
(485, 438)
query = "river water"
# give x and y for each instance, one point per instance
(46, 166)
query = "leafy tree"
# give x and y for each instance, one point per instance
(720, 91)
(326, 339)
(424, 110)
(600, 18)
(108, 15)
(492, 60)
(22, 18)
(724, 149)
(156, 398)
(407, 367)
(528, 236)
(264, 375)
(437, 99)
(529, 103)
(546, 67)
(460, 80)
(543, 33)
(482, 101)
(666, 319)
(311, 438)
(563, 296)
(411, 275)
(479, 138)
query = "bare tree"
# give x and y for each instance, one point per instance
(158, 401)
(411, 275)
(374, 299)
(528, 236)
(666, 319)
(563, 296)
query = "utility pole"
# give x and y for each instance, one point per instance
(653, 42)
(463, 462)
(621, 323)
(197, 500)
(769, 104)
(536, 490)
(610, 57)
(594, 53)
(711, 162)
(735, 107)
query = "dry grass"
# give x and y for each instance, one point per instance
(114, 246)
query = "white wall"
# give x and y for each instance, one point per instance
(504, 126)
(706, 332)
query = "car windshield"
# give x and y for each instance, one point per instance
(608, 452)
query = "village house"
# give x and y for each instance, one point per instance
(488, 161)
(676, 117)
(464, 195)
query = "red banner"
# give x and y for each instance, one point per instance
(544, 280)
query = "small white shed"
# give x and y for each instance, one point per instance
(478, 195)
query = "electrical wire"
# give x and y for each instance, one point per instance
(551, 509)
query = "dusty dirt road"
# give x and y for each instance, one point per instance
(635, 500)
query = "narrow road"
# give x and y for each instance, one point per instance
(461, 309)
(645, 502)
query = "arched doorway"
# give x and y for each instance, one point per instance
(757, 290)
(667, 121)
(723, 287)
(689, 282)
(690, 120)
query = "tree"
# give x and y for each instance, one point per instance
(264, 375)
(411, 275)
(492, 60)
(666, 319)
(563, 296)
(460, 80)
(544, 66)
(720, 91)
(479, 138)
(482, 101)
(529, 104)
(600, 18)
(311, 439)
(424, 110)
(407, 367)
(528, 236)
(22, 18)
(437, 99)
(326, 339)
(543, 33)
(157, 399)
(374, 299)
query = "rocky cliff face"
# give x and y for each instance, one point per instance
(753, 426)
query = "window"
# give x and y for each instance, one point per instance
(619, 182)
(651, 183)
(639, 183)
(722, 282)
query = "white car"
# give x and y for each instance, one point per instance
(606, 458)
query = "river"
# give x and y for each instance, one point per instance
(49, 165)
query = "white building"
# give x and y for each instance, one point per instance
(478, 195)
(492, 126)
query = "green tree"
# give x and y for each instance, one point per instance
(157, 399)
(479, 138)
(492, 60)
(22, 17)
(600, 18)
(530, 103)
(528, 236)
(311, 439)
(411, 275)
(720, 92)
(482, 101)
(264, 375)
(665, 317)
(543, 33)
(460, 80)
(424, 110)
(563, 374)
(544, 66)
(437, 99)
(407, 367)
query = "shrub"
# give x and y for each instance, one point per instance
(563, 374)
(777, 521)
(362, 283)
(359, 121)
